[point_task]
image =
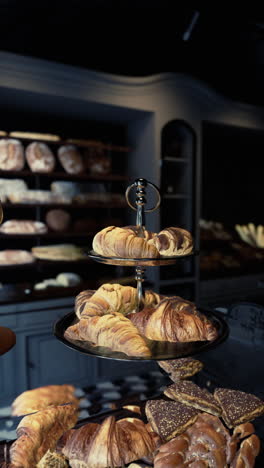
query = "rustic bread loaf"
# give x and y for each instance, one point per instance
(58, 220)
(70, 159)
(40, 157)
(11, 155)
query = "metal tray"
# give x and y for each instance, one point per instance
(161, 350)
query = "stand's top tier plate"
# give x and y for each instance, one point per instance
(138, 261)
(160, 350)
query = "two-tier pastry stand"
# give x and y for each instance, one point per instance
(160, 350)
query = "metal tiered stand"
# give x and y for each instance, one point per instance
(160, 350)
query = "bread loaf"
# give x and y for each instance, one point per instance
(11, 155)
(38, 196)
(70, 159)
(96, 161)
(18, 226)
(40, 157)
(61, 187)
(58, 220)
(15, 257)
(9, 186)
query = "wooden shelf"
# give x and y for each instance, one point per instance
(66, 176)
(67, 206)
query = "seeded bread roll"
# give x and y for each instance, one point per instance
(11, 155)
(40, 157)
(58, 220)
(70, 159)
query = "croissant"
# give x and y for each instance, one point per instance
(113, 331)
(111, 444)
(110, 299)
(124, 242)
(39, 432)
(42, 397)
(173, 241)
(173, 319)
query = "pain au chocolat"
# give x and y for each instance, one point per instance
(190, 394)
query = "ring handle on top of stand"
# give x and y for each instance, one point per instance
(141, 185)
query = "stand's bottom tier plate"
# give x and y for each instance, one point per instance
(160, 350)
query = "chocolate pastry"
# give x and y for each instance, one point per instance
(238, 407)
(169, 418)
(190, 394)
(181, 368)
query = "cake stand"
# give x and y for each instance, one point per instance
(160, 350)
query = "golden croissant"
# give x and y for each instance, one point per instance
(173, 241)
(37, 433)
(174, 319)
(112, 331)
(111, 299)
(42, 397)
(110, 444)
(123, 242)
(126, 243)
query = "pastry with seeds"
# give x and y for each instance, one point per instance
(180, 369)
(238, 407)
(169, 418)
(190, 394)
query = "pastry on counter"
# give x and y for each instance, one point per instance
(251, 234)
(39, 432)
(109, 444)
(58, 220)
(11, 155)
(207, 443)
(111, 298)
(124, 242)
(190, 394)
(18, 226)
(238, 407)
(169, 418)
(71, 159)
(174, 319)
(112, 331)
(39, 157)
(35, 136)
(182, 368)
(15, 257)
(57, 252)
(43, 397)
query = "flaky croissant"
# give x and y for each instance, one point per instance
(173, 241)
(42, 397)
(174, 319)
(38, 433)
(111, 299)
(124, 242)
(110, 444)
(113, 331)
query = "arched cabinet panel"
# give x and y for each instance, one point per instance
(178, 157)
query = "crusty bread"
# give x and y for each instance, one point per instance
(40, 157)
(11, 155)
(70, 159)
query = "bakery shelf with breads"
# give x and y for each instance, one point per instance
(185, 426)
(59, 190)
